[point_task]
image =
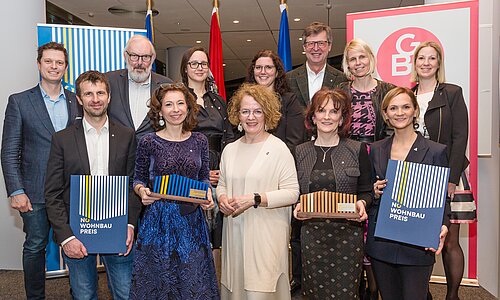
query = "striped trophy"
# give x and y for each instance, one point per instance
(180, 188)
(325, 204)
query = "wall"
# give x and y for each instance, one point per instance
(18, 55)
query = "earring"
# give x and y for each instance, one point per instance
(161, 122)
(240, 127)
(415, 123)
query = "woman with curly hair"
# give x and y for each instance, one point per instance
(173, 258)
(257, 186)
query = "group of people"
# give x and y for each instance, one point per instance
(281, 135)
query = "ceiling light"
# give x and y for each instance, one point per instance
(303, 52)
(198, 42)
(296, 20)
(249, 40)
(223, 65)
(300, 38)
(236, 22)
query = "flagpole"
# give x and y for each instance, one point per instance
(216, 3)
(282, 1)
(149, 4)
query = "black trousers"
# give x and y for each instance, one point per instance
(401, 282)
(296, 252)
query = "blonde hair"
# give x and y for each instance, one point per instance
(362, 46)
(267, 99)
(440, 72)
(393, 94)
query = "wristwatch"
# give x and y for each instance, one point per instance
(256, 199)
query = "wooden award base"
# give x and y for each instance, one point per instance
(179, 198)
(324, 215)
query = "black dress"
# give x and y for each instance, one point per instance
(332, 249)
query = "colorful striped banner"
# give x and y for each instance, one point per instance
(89, 48)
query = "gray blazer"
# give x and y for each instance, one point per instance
(297, 80)
(27, 132)
(119, 107)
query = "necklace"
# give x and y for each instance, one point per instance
(325, 151)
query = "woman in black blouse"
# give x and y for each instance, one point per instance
(332, 249)
(212, 119)
(267, 69)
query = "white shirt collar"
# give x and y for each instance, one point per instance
(311, 72)
(87, 127)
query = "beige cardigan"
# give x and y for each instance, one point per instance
(266, 229)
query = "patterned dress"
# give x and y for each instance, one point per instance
(332, 249)
(173, 258)
(363, 116)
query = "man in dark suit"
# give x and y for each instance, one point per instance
(94, 146)
(309, 78)
(305, 81)
(31, 118)
(131, 88)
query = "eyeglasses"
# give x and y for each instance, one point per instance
(256, 113)
(195, 64)
(321, 44)
(267, 68)
(177, 85)
(135, 57)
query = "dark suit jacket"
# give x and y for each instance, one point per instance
(119, 107)
(27, 131)
(423, 151)
(297, 80)
(68, 156)
(291, 126)
(447, 122)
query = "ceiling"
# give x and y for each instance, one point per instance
(183, 22)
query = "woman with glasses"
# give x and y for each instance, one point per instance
(173, 258)
(332, 249)
(212, 121)
(443, 119)
(257, 186)
(267, 70)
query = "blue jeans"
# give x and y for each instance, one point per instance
(83, 275)
(36, 228)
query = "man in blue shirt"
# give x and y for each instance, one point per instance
(31, 118)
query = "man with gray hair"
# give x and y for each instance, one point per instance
(315, 73)
(131, 88)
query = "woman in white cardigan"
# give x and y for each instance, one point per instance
(257, 186)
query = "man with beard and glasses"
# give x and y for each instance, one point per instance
(93, 146)
(131, 88)
(31, 117)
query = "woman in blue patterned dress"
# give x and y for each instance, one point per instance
(173, 258)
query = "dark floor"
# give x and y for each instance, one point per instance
(11, 288)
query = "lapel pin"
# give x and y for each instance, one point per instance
(415, 149)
